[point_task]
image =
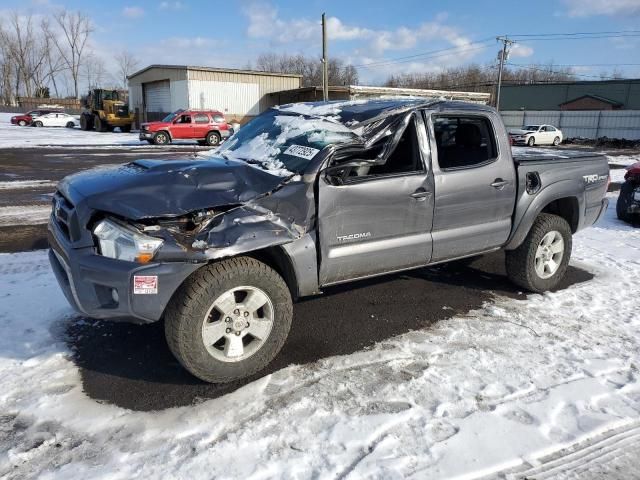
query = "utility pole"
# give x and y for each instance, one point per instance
(502, 57)
(325, 62)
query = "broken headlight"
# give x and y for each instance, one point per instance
(125, 243)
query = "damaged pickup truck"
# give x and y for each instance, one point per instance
(303, 197)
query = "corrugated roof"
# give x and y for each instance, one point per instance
(214, 69)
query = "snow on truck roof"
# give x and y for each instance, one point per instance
(354, 112)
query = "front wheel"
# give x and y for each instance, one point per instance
(229, 319)
(161, 138)
(531, 142)
(70, 125)
(541, 261)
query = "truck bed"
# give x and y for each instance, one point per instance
(542, 155)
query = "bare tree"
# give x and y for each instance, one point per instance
(94, 70)
(76, 28)
(23, 47)
(127, 64)
(310, 68)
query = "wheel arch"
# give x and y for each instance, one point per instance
(555, 200)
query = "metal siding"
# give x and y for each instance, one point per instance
(231, 98)
(586, 123)
(179, 95)
(550, 96)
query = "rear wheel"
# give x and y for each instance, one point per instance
(161, 138)
(541, 261)
(229, 319)
(213, 139)
(70, 125)
(556, 141)
(86, 122)
(37, 124)
(626, 191)
(22, 123)
(101, 125)
(531, 142)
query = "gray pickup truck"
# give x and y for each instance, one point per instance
(303, 197)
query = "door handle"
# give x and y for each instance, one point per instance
(499, 183)
(421, 193)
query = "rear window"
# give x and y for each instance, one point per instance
(463, 141)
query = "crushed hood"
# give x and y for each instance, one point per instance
(154, 188)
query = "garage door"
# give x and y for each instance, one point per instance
(157, 98)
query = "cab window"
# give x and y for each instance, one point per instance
(463, 141)
(201, 118)
(184, 119)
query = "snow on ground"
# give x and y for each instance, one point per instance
(624, 160)
(20, 184)
(14, 136)
(548, 386)
(24, 215)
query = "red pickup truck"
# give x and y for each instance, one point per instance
(207, 127)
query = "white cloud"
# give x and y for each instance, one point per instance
(171, 5)
(265, 23)
(190, 42)
(132, 12)
(520, 51)
(586, 8)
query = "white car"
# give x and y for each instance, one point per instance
(537, 135)
(56, 119)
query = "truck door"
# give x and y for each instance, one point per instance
(201, 125)
(182, 127)
(379, 218)
(475, 184)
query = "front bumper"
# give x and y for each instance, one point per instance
(146, 135)
(89, 280)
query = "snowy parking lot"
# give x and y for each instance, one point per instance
(549, 386)
(537, 386)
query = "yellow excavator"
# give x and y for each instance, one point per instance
(105, 110)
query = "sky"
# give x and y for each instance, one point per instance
(370, 34)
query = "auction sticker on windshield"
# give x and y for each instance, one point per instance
(145, 284)
(300, 151)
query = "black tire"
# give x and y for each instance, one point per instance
(520, 262)
(125, 128)
(22, 123)
(161, 138)
(70, 125)
(86, 122)
(188, 308)
(101, 125)
(626, 190)
(556, 141)
(531, 141)
(213, 139)
(37, 124)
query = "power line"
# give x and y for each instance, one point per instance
(525, 36)
(445, 52)
(586, 64)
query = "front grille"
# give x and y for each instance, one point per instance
(122, 111)
(64, 216)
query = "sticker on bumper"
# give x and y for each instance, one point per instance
(145, 284)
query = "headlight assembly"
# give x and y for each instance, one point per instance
(125, 243)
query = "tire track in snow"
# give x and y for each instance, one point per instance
(24, 215)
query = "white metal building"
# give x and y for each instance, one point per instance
(157, 90)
